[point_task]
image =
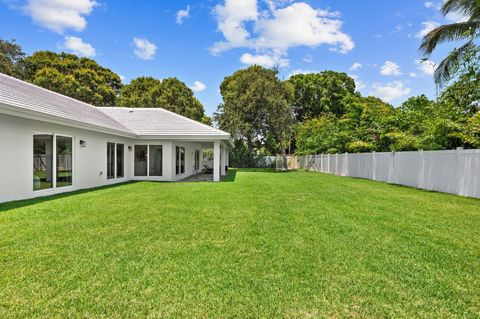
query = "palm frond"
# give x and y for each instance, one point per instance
(448, 32)
(446, 69)
(467, 8)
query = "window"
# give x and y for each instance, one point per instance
(42, 162)
(140, 168)
(180, 160)
(197, 160)
(155, 160)
(110, 160)
(120, 161)
(64, 161)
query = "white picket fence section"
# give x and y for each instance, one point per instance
(455, 172)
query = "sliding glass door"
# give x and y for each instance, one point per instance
(155, 160)
(180, 160)
(48, 149)
(140, 164)
(42, 162)
(120, 161)
(64, 161)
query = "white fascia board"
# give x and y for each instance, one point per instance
(195, 138)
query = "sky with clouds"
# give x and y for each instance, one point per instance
(201, 42)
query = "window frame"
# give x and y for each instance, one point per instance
(149, 160)
(56, 156)
(180, 160)
(54, 160)
(122, 175)
(111, 161)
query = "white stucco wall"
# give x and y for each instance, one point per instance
(89, 163)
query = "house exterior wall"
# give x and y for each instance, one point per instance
(89, 163)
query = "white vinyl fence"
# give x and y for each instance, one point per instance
(455, 172)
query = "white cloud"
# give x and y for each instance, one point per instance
(427, 27)
(231, 18)
(301, 25)
(390, 68)
(427, 67)
(359, 84)
(182, 14)
(77, 46)
(301, 71)
(198, 86)
(60, 15)
(412, 74)
(144, 49)
(355, 66)
(390, 91)
(429, 4)
(265, 60)
(283, 25)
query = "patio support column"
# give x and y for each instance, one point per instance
(216, 161)
(223, 161)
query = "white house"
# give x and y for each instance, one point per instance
(50, 143)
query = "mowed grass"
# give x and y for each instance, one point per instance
(259, 245)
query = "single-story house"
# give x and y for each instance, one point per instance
(51, 143)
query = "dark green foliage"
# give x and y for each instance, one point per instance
(11, 54)
(79, 78)
(317, 94)
(256, 109)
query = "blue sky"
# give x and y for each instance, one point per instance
(201, 42)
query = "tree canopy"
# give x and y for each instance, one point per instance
(11, 54)
(320, 93)
(170, 94)
(68, 74)
(256, 108)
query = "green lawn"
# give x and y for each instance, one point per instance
(259, 245)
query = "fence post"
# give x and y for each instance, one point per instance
(336, 164)
(347, 172)
(374, 166)
(328, 163)
(421, 173)
(458, 168)
(391, 168)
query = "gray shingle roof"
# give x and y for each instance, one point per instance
(160, 122)
(133, 121)
(30, 97)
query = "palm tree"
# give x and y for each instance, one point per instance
(463, 30)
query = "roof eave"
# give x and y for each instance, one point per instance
(39, 116)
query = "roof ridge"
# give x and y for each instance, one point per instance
(165, 110)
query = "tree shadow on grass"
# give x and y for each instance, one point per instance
(33, 201)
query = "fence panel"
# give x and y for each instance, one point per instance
(406, 168)
(383, 167)
(456, 172)
(468, 183)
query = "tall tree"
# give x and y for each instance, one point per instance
(256, 106)
(68, 74)
(468, 30)
(320, 93)
(11, 54)
(170, 94)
